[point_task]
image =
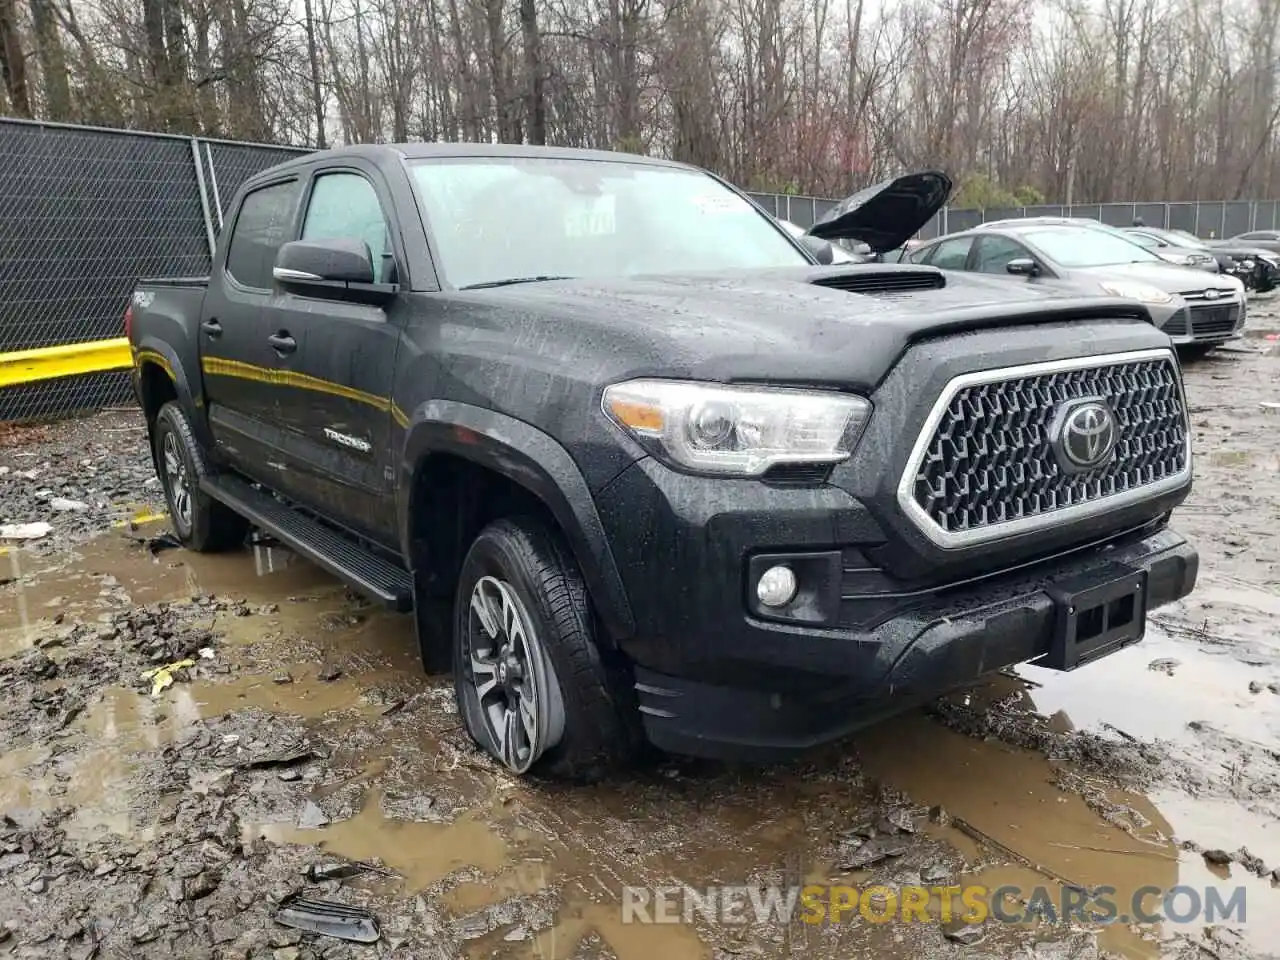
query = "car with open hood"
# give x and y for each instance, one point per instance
(1197, 311)
(641, 466)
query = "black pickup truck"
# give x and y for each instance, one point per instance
(643, 466)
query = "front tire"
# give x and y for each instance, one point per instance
(201, 523)
(533, 688)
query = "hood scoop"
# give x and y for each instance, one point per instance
(881, 282)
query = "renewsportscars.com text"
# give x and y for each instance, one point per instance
(973, 903)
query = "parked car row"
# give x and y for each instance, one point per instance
(1163, 270)
(1197, 312)
(1252, 258)
(1256, 266)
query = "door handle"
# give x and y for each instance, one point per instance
(282, 342)
(212, 327)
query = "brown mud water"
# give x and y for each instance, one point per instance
(301, 734)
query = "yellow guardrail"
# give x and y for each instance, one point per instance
(67, 360)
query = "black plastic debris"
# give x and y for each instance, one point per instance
(161, 543)
(328, 919)
(343, 869)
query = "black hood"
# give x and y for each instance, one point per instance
(888, 214)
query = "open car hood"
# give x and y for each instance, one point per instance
(886, 215)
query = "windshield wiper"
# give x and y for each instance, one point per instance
(512, 280)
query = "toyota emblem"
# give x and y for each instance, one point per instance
(1084, 435)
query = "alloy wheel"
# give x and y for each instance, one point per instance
(177, 481)
(517, 695)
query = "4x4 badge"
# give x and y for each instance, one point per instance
(1084, 435)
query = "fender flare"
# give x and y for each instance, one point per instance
(533, 460)
(155, 351)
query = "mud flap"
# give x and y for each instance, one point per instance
(1096, 614)
(433, 628)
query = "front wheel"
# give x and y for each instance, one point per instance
(201, 523)
(533, 687)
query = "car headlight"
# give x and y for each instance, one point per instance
(736, 431)
(1142, 292)
(1245, 264)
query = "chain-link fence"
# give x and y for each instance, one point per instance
(85, 212)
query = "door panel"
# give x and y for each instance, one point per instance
(336, 410)
(239, 368)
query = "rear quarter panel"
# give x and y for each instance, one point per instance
(164, 334)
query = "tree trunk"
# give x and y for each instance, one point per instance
(13, 64)
(53, 61)
(536, 106)
(313, 56)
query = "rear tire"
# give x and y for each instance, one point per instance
(201, 523)
(533, 687)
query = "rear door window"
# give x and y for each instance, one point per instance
(952, 254)
(263, 226)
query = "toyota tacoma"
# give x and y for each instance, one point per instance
(645, 467)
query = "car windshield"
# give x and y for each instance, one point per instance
(498, 219)
(1085, 247)
(1189, 240)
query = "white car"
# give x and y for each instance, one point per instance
(840, 255)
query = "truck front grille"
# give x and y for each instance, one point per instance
(989, 462)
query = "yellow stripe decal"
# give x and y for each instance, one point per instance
(152, 356)
(220, 367)
(74, 359)
(67, 360)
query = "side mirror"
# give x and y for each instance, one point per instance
(1023, 267)
(340, 268)
(821, 249)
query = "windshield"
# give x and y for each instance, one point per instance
(1085, 247)
(506, 218)
(1189, 240)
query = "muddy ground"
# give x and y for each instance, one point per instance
(158, 823)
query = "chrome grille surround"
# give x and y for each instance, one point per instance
(962, 485)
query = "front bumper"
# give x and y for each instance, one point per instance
(884, 614)
(945, 638)
(1204, 322)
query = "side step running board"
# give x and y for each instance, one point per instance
(370, 574)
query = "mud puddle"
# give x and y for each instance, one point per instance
(309, 734)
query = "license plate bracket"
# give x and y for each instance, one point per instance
(1096, 614)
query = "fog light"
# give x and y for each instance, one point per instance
(776, 587)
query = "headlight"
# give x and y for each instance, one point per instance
(1181, 259)
(1245, 264)
(738, 431)
(1142, 292)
